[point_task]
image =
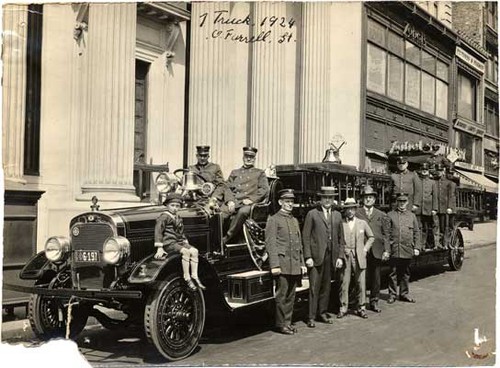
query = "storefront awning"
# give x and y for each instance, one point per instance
(479, 180)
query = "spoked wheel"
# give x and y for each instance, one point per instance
(174, 318)
(457, 250)
(48, 316)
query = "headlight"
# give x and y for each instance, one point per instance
(115, 249)
(56, 248)
(165, 182)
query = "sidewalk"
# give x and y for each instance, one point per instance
(19, 330)
(482, 235)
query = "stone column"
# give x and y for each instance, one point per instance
(315, 117)
(208, 83)
(15, 26)
(270, 131)
(109, 138)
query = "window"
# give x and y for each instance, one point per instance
(376, 69)
(492, 68)
(466, 96)
(33, 88)
(472, 145)
(406, 72)
(141, 177)
(491, 14)
(491, 117)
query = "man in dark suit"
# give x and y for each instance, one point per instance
(209, 171)
(323, 240)
(284, 245)
(380, 250)
(406, 181)
(245, 186)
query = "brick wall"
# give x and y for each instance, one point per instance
(468, 17)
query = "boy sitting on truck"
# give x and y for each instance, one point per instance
(169, 237)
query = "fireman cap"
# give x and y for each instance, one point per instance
(249, 151)
(202, 150)
(286, 194)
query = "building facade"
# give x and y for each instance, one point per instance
(99, 95)
(478, 23)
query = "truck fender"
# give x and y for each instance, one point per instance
(36, 267)
(151, 271)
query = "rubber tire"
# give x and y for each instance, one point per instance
(154, 305)
(457, 265)
(46, 331)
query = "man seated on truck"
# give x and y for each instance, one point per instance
(245, 186)
(209, 171)
(169, 237)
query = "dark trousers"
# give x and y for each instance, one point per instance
(429, 229)
(373, 271)
(320, 282)
(400, 275)
(285, 297)
(237, 220)
(444, 227)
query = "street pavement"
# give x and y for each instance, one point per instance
(437, 330)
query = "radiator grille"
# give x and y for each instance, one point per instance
(91, 236)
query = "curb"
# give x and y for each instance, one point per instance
(481, 245)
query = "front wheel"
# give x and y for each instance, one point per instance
(457, 250)
(48, 317)
(174, 318)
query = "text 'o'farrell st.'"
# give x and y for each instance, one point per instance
(274, 28)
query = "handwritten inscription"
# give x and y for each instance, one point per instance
(276, 29)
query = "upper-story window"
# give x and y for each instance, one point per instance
(467, 96)
(491, 117)
(404, 71)
(492, 14)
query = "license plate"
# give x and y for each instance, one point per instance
(87, 256)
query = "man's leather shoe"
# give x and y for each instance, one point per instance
(292, 328)
(325, 319)
(391, 299)
(362, 313)
(191, 285)
(284, 330)
(407, 299)
(310, 323)
(341, 314)
(374, 307)
(200, 285)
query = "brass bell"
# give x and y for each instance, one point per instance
(332, 155)
(189, 181)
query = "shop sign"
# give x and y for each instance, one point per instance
(490, 144)
(414, 35)
(468, 128)
(466, 165)
(443, 149)
(469, 59)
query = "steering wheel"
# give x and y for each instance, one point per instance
(186, 171)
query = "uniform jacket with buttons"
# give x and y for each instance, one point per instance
(404, 234)
(284, 243)
(362, 237)
(320, 233)
(428, 200)
(379, 224)
(212, 173)
(409, 183)
(169, 230)
(248, 183)
(446, 195)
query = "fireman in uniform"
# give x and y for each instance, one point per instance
(428, 203)
(446, 202)
(408, 182)
(245, 186)
(405, 244)
(209, 171)
(284, 245)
